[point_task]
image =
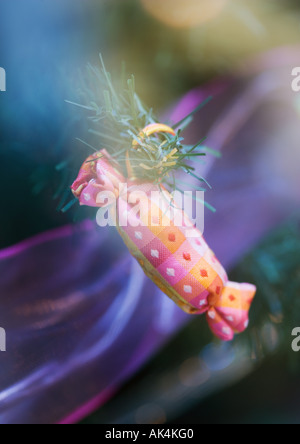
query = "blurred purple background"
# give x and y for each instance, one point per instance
(79, 314)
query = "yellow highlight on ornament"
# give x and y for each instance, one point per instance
(153, 129)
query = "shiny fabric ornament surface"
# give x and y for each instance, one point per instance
(176, 258)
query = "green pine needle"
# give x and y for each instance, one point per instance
(118, 116)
